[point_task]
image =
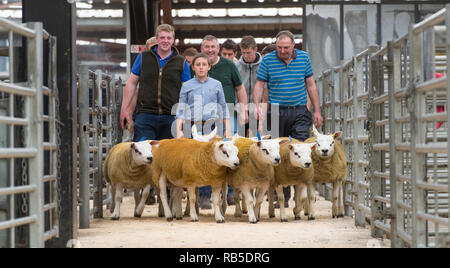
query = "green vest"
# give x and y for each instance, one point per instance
(159, 89)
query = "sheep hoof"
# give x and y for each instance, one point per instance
(114, 218)
(137, 215)
(244, 212)
(220, 221)
(306, 214)
(194, 220)
(271, 216)
(284, 220)
(311, 218)
(170, 219)
(253, 222)
(340, 216)
(297, 218)
(179, 218)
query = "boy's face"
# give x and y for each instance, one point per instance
(228, 53)
(249, 54)
(201, 67)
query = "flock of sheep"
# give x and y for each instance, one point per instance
(252, 167)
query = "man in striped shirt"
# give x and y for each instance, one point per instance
(289, 77)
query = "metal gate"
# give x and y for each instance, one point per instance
(391, 104)
(29, 150)
(99, 100)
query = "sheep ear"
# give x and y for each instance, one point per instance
(154, 143)
(314, 131)
(221, 146)
(133, 145)
(258, 143)
(337, 135)
(234, 139)
(283, 141)
(313, 146)
(266, 137)
(291, 147)
(194, 132)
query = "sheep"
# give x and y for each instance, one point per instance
(127, 166)
(189, 163)
(330, 166)
(257, 161)
(296, 168)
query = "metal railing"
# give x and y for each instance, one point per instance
(391, 104)
(99, 98)
(29, 155)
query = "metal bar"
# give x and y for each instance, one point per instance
(13, 121)
(433, 187)
(385, 227)
(17, 190)
(435, 148)
(17, 28)
(34, 111)
(381, 147)
(432, 218)
(431, 85)
(447, 24)
(18, 153)
(17, 90)
(434, 19)
(434, 117)
(17, 222)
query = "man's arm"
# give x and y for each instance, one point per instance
(127, 98)
(257, 93)
(314, 96)
(242, 99)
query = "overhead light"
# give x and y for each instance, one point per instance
(4, 2)
(261, 1)
(227, 1)
(192, 1)
(244, 1)
(107, 2)
(90, 2)
(209, 1)
(124, 2)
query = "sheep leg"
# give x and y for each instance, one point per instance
(113, 197)
(163, 195)
(224, 198)
(341, 200)
(187, 210)
(300, 197)
(310, 202)
(260, 198)
(160, 205)
(192, 201)
(244, 205)
(280, 196)
(246, 191)
(140, 208)
(334, 200)
(237, 202)
(271, 200)
(215, 197)
(177, 194)
(118, 200)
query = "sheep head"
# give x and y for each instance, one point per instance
(226, 153)
(300, 154)
(325, 143)
(269, 151)
(142, 152)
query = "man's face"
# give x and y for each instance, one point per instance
(189, 59)
(249, 54)
(228, 53)
(210, 48)
(285, 48)
(165, 40)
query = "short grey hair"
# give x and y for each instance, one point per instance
(210, 38)
(286, 34)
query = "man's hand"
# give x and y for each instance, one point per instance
(317, 119)
(126, 122)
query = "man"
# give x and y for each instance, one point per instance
(160, 71)
(226, 72)
(189, 54)
(289, 77)
(229, 50)
(247, 67)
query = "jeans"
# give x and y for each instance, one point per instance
(153, 127)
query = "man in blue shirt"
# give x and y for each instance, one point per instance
(160, 72)
(288, 74)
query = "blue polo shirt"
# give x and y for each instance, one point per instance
(286, 83)
(136, 70)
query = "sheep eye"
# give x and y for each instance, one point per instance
(297, 155)
(265, 150)
(225, 153)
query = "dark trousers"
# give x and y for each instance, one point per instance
(293, 121)
(153, 126)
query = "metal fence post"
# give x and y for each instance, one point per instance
(83, 135)
(447, 40)
(34, 134)
(418, 162)
(98, 183)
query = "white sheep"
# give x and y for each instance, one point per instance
(296, 169)
(330, 166)
(256, 171)
(189, 163)
(127, 166)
